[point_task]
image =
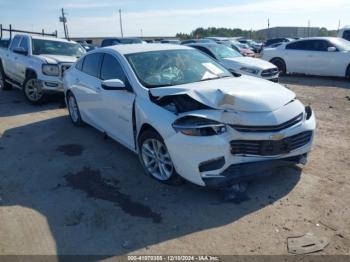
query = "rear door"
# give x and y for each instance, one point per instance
(116, 106)
(9, 59)
(87, 88)
(296, 56)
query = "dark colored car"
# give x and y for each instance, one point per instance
(120, 41)
(4, 43)
(193, 41)
(88, 47)
(171, 41)
(274, 41)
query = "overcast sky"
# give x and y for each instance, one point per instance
(166, 18)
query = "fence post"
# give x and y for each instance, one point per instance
(10, 28)
(0, 31)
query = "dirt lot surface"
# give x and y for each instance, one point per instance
(67, 190)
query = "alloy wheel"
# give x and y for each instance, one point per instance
(33, 90)
(156, 159)
(73, 109)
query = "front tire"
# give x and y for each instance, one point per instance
(3, 84)
(33, 91)
(73, 109)
(281, 65)
(155, 158)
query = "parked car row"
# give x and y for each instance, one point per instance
(324, 56)
(178, 107)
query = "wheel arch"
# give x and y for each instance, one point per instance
(30, 73)
(145, 127)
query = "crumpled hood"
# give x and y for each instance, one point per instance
(56, 59)
(250, 62)
(244, 93)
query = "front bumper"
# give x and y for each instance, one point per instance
(247, 171)
(51, 84)
(189, 153)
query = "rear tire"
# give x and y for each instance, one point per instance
(348, 72)
(281, 65)
(33, 92)
(73, 109)
(155, 159)
(3, 84)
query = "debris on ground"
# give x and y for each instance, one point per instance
(308, 243)
(236, 193)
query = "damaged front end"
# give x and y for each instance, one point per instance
(222, 138)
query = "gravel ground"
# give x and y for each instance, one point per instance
(67, 190)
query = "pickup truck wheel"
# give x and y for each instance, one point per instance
(155, 158)
(3, 84)
(73, 110)
(33, 92)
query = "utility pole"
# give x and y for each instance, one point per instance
(63, 19)
(268, 28)
(338, 26)
(121, 23)
(308, 28)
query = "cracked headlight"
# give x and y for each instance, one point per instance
(50, 70)
(195, 126)
(250, 70)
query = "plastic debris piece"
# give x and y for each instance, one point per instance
(305, 244)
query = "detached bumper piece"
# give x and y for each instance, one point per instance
(247, 171)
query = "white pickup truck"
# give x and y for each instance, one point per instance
(36, 64)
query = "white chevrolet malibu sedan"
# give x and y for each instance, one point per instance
(186, 116)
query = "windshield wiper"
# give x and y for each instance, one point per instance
(212, 78)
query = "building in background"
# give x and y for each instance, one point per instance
(284, 31)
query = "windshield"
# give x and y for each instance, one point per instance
(342, 44)
(174, 67)
(51, 47)
(223, 51)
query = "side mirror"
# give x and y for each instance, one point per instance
(20, 50)
(332, 49)
(113, 84)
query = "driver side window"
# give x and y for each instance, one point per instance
(111, 69)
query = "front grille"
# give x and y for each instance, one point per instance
(275, 128)
(269, 72)
(64, 67)
(270, 147)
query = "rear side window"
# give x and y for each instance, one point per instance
(111, 69)
(15, 42)
(91, 65)
(300, 45)
(346, 35)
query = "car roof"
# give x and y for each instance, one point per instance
(140, 48)
(46, 38)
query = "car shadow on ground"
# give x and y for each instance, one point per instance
(96, 198)
(312, 81)
(10, 101)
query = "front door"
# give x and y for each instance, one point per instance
(116, 109)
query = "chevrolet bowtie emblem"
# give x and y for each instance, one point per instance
(277, 137)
